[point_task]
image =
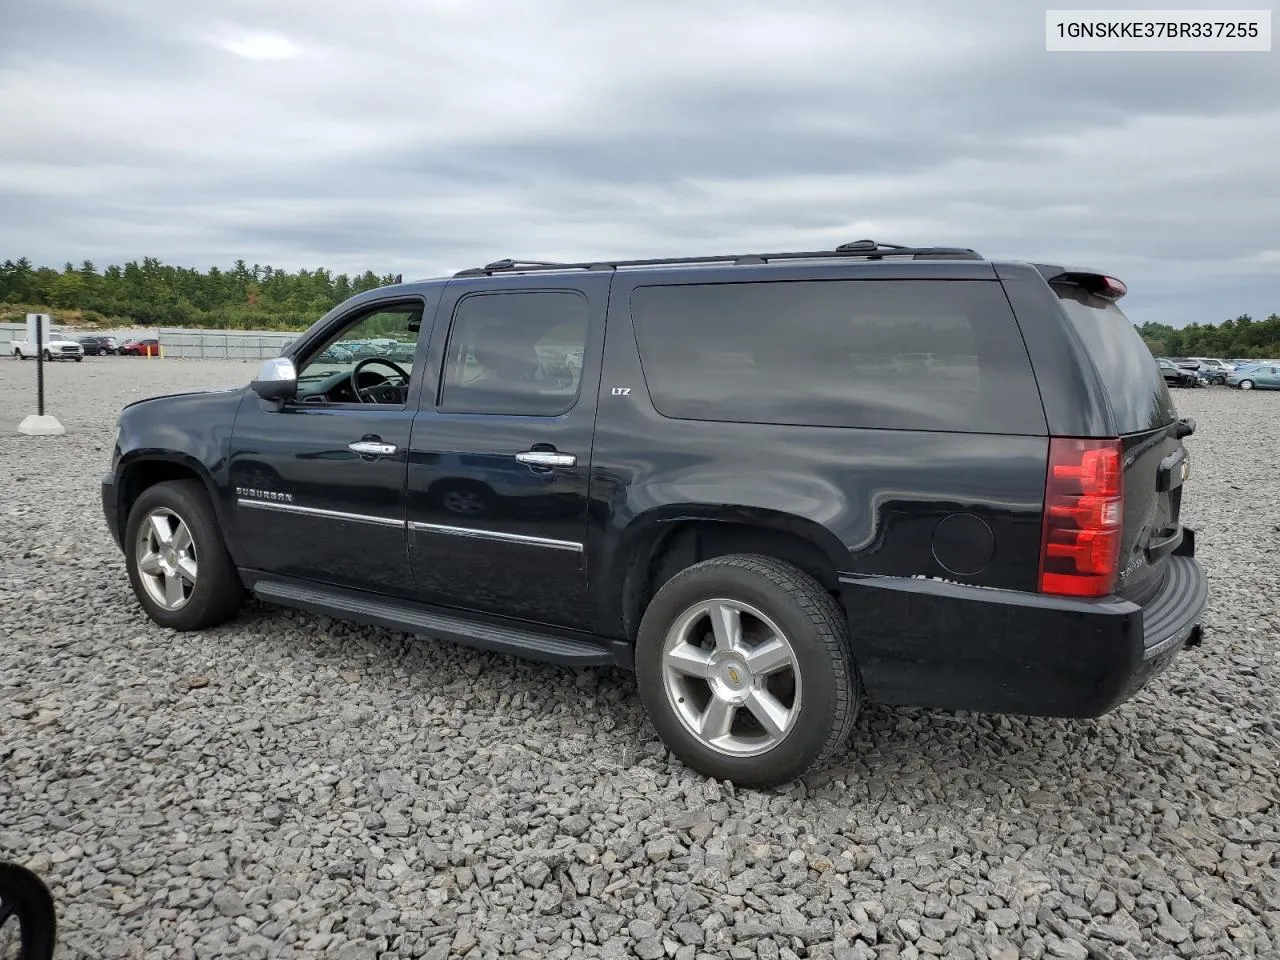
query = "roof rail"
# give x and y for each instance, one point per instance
(861, 249)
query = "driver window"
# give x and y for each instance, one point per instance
(381, 345)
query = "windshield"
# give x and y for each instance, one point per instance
(1135, 387)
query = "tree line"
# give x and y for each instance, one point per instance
(153, 294)
(1242, 337)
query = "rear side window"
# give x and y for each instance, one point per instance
(888, 354)
(516, 353)
(1135, 387)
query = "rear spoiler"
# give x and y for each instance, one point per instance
(1099, 284)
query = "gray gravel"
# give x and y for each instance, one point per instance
(290, 786)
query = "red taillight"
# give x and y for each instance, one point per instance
(1083, 517)
(1112, 288)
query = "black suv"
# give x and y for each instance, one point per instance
(99, 346)
(708, 470)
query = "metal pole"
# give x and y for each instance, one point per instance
(40, 364)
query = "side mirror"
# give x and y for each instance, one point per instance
(277, 379)
(1186, 427)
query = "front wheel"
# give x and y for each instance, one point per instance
(1246, 384)
(744, 667)
(47, 356)
(178, 563)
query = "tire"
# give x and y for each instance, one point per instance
(47, 356)
(79, 359)
(819, 675)
(19, 354)
(1246, 384)
(216, 594)
(24, 895)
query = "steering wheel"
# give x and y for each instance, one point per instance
(384, 390)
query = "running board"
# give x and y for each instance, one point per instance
(484, 634)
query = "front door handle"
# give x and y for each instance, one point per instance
(372, 448)
(547, 458)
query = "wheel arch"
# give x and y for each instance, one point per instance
(661, 543)
(141, 472)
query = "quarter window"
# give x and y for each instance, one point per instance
(919, 354)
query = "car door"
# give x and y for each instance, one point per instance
(500, 456)
(318, 481)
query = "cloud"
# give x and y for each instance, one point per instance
(421, 138)
(261, 46)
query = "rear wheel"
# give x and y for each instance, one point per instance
(47, 356)
(744, 667)
(178, 564)
(1246, 384)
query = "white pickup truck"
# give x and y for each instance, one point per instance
(57, 345)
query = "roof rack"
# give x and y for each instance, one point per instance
(862, 249)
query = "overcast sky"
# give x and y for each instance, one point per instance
(421, 137)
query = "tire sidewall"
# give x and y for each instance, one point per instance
(35, 909)
(184, 499)
(797, 751)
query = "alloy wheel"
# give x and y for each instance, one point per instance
(166, 558)
(732, 677)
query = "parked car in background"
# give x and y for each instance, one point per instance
(1214, 369)
(99, 346)
(56, 346)
(1205, 373)
(1176, 376)
(1260, 376)
(401, 352)
(149, 347)
(335, 354)
(1218, 362)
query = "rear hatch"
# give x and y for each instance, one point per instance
(1154, 459)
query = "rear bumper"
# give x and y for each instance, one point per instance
(934, 643)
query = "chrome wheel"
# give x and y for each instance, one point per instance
(1246, 384)
(166, 558)
(732, 677)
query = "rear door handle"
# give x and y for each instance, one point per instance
(547, 458)
(372, 448)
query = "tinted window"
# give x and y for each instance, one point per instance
(914, 355)
(515, 353)
(1135, 386)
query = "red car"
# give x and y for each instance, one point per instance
(140, 348)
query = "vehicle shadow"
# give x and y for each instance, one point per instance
(890, 750)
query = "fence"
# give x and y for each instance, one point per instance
(223, 344)
(183, 343)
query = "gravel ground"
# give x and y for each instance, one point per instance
(289, 786)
